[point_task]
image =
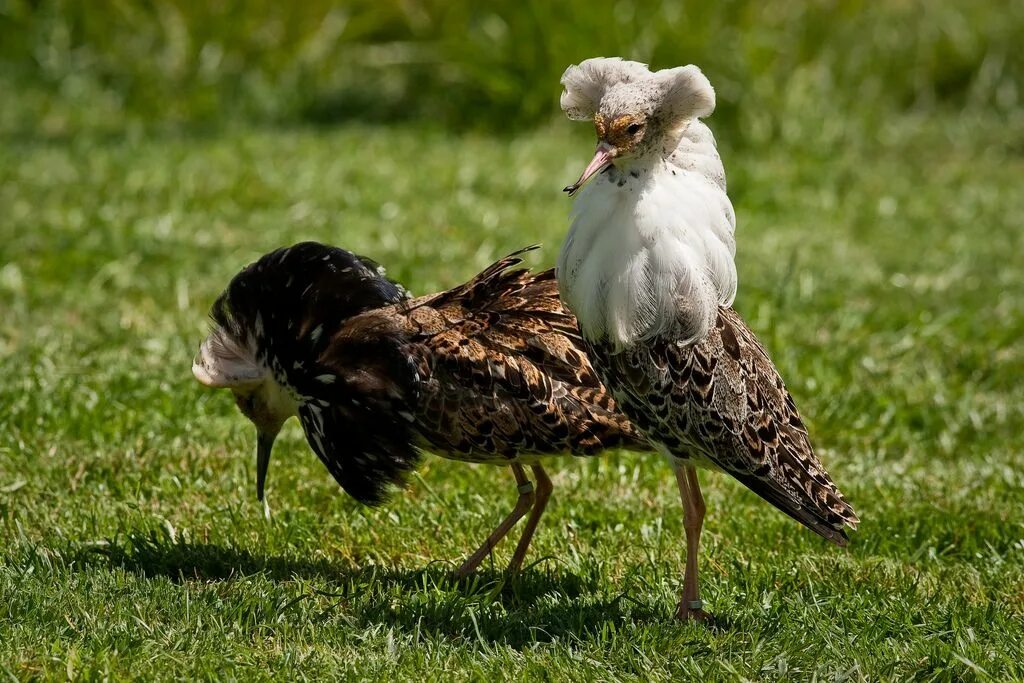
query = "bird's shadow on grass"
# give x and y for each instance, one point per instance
(536, 605)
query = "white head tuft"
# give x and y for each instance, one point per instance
(686, 93)
(624, 87)
(587, 82)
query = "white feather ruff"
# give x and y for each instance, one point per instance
(225, 362)
(652, 256)
(586, 83)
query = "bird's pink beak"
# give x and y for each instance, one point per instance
(603, 158)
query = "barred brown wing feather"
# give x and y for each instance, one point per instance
(508, 358)
(494, 368)
(722, 400)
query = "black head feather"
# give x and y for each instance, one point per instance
(287, 307)
(289, 303)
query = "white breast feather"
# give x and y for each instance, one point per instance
(657, 260)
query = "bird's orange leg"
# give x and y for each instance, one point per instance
(690, 606)
(523, 505)
(543, 493)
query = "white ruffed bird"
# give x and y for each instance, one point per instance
(648, 270)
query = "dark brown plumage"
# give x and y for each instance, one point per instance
(499, 371)
(492, 371)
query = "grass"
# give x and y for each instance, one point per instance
(106, 65)
(131, 544)
(147, 154)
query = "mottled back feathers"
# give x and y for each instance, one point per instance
(489, 371)
(503, 371)
(721, 403)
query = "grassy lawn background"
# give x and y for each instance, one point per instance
(880, 258)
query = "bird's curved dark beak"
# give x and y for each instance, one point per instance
(264, 445)
(603, 158)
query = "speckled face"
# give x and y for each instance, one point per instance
(637, 113)
(623, 132)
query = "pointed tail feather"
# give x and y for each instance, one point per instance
(829, 527)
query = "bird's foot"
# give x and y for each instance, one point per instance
(692, 610)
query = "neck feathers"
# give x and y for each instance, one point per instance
(650, 248)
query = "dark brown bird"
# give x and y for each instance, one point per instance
(492, 371)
